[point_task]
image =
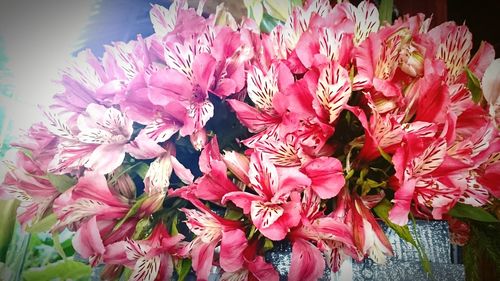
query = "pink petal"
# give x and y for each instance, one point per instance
(402, 200)
(87, 241)
(203, 70)
(142, 147)
(263, 271)
(327, 176)
(202, 257)
(106, 158)
(307, 47)
(182, 172)
(250, 117)
(241, 199)
(115, 254)
(233, 244)
(482, 59)
(307, 262)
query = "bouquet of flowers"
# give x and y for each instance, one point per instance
(209, 141)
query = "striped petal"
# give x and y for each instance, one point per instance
(366, 20)
(280, 153)
(455, 49)
(201, 113)
(430, 159)
(146, 269)
(264, 215)
(334, 90)
(262, 87)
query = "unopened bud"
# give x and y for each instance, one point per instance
(199, 139)
(238, 164)
(411, 62)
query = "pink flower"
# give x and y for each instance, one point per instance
(368, 235)
(254, 267)
(27, 182)
(90, 197)
(98, 142)
(275, 209)
(265, 90)
(210, 230)
(150, 259)
(214, 183)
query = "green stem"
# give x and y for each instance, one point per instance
(7, 224)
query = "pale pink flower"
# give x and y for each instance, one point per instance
(98, 143)
(150, 259)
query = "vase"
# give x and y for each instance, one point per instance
(404, 265)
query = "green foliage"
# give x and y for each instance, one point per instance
(62, 270)
(481, 254)
(268, 23)
(182, 268)
(382, 211)
(61, 182)
(133, 210)
(385, 11)
(465, 211)
(474, 86)
(43, 225)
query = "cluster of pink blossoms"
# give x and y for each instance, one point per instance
(343, 112)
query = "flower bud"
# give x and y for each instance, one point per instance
(152, 203)
(199, 139)
(123, 187)
(238, 164)
(411, 61)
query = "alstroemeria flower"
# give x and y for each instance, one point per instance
(150, 259)
(368, 235)
(333, 239)
(266, 92)
(186, 84)
(275, 208)
(157, 179)
(98, 142)
(82, 80)
(214, 183)
(210, 230)
(90, 197)
(28, 183)
(254, 267)
(491, 89)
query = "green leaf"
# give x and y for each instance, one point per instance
(474, 86)
(470, 212)
(130, 213)
(141, 169)
(43, 225)
(182, 268)
(255, 10)
(62, 270)
(268, 23)
(382, 211)
(174, 230)
(277, 10)
(385, 11)
(232, 214)
(57, 245)
(61, 182)
(385, 155)
(268, 245)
